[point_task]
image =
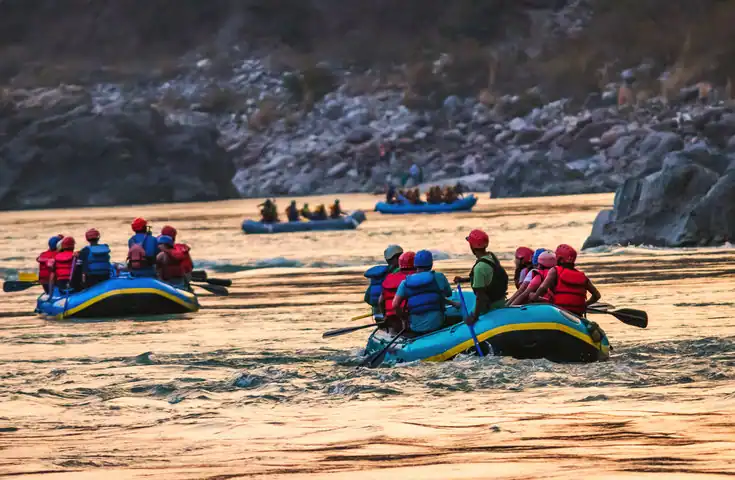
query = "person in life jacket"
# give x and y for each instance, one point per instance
(546, 261)
(93, 260)
(62, 265)
(525, 276)
(335, 210)
(425, 293)
(306, 212)
(142, 250)
(180, 252)
(292, 212)
(320, 213)
(569, 285)
(391, 321)
(168, 267)
(269, 212)
(488, 278)
(377, 274)
(44, 271)
(523, 264)
(450, 195)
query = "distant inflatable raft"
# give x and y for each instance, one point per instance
(462, 205)
(349, 222)
(119, 297)
(526, 332)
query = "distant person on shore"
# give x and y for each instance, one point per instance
(292, 212)
(269, 212)
(417, 174)
(335, 210)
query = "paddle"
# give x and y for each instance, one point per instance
(201, 276)
(215, 289)
(629, 316)
(343, 331)
(359, 317)
(377, 358)
(466, 314)
(17, 286)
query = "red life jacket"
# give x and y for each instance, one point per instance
(390, 287)
(137, 258)
(169, 267)
(44, 269)
(181, 253)
(570, 292)
(62, 265)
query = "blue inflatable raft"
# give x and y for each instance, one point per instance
(529, 331)
(349, 222)
(124, 296)
(462, 205)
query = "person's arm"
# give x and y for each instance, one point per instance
(459, 279)
(545, 287)
(596, 296)
(381, 304)
(521, 295)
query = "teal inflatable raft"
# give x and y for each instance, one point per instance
(462, 205)
(526, 332)
(124, 296)
(349, 222)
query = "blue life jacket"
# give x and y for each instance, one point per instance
(147, 241)
(376, 275)
(98, 261)
(423, 294)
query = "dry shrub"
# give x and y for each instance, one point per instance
(266, 114)
(217, 99)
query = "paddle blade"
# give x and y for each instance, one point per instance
(199, 276)
(631, 316)
(377, 358)
(17, 286)
(215, 289)
(31, 277)
(343, 331)
(222, 282)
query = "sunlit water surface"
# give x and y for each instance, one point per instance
(248, 388)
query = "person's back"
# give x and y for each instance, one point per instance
(45, 259)
(320, 213)
(292, 212)
(62, 265)
(306, 212)
(168, 267)
(335, 210)
(390, 286)
(425, 293)
(142, 250)
(376, 275)
(180, 251)
(94, 260)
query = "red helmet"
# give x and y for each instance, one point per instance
(405, 261)
(478, 239)
(67, 243)
(92, 234)
(565, 254)
(139, 224)
(524, 254)
(168, 230)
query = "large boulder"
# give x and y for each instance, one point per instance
(80, 158)
(683, 204)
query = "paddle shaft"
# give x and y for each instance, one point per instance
(377, 359)
(466, 314)
(215, 289)
(343, 331)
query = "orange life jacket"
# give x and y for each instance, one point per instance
(62, 265)
(570, 292)
(390, 287)
(171, 268)
(44, 269)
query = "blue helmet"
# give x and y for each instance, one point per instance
(165, 240)
(53, 242)
(423, 259)
(536, 254)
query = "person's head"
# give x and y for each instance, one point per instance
(479, 242)
(423, 261)
(391, 254)
(293, 203)
(336, 201)
(405, 261)
(523, 257)
(537, 254)
(566, 256)
(139, 225)
(165, 242)
(92, 236)
(546, 260)
(53, 242)
(306, 205)
(67, 244)
(170, 231)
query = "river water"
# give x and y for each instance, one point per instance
(248, 388)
